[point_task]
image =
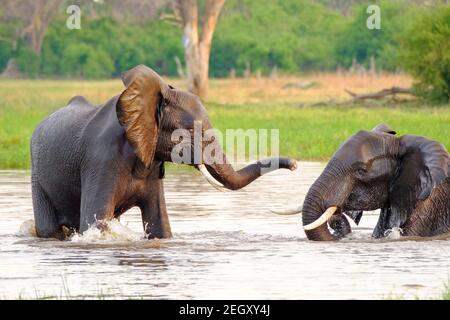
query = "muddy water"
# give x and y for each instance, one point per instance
(225, 245)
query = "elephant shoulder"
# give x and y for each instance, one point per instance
(66, 120)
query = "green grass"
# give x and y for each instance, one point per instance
(314, 133)
(446, 292)
(306, 133)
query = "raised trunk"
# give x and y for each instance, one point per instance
(234, 180)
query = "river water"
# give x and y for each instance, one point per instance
(225, 246)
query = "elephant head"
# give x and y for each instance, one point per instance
(374, 170)
(150, 110)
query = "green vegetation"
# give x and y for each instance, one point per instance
(104, 48)
(426, 54)
(445, 295)
(446, 292)
(115, 293)
(356, 43)
(293, 35)
(307, 133)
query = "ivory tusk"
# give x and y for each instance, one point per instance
(288, 212)
(216, 184)
(322, 219)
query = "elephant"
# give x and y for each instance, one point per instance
(92, 163)
(407, 177)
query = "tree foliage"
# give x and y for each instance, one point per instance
(425, 53)
(291, 35)
(358, 43)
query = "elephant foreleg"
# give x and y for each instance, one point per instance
(382, 224)
(96, 202)
(154, 212)
(45, 215)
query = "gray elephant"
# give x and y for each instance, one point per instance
(407, 177)
(90, 164)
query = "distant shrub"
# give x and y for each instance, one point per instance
(358, 43)
(27, 61)
(289, 35)
(105, 48)
(5, 53)
(425, 53)
(82, 60)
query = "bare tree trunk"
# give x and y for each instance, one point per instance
(198, 47)
(180, 69)
(43, 13)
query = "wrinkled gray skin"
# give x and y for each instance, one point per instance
(406, 177)
(94, 163)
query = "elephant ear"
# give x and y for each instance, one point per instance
(139, 109)
(424, 165)
(434, 162)
(384, 128)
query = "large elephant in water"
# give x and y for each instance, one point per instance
(94, 163)
(407, 177)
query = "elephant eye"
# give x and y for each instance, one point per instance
(361, 171)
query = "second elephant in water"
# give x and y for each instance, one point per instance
(407, 177)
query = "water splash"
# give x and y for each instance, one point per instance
(394, 233)
(111, 231)
(27, 229)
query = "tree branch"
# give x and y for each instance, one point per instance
(380, 94)
(189, 15)
(213, 8)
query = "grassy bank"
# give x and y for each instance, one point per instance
(306, 133)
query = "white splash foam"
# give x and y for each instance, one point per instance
(27, 229)
(114, 232)
(394, 233)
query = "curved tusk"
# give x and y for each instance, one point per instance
(288, 212)
(216, 184)
(322, 219)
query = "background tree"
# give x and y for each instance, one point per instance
(26, 23)
(42, 13)
(198, 44)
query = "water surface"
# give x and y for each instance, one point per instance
(225, 245)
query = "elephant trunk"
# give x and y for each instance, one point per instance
(323, 202)
(223, 172)
(312, 212)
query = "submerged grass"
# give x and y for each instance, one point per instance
(445, 295)
(112, 294)
(306, 133)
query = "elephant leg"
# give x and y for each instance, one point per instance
(45, 215)
(154, 212)
(382, 224)
(96, 202)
